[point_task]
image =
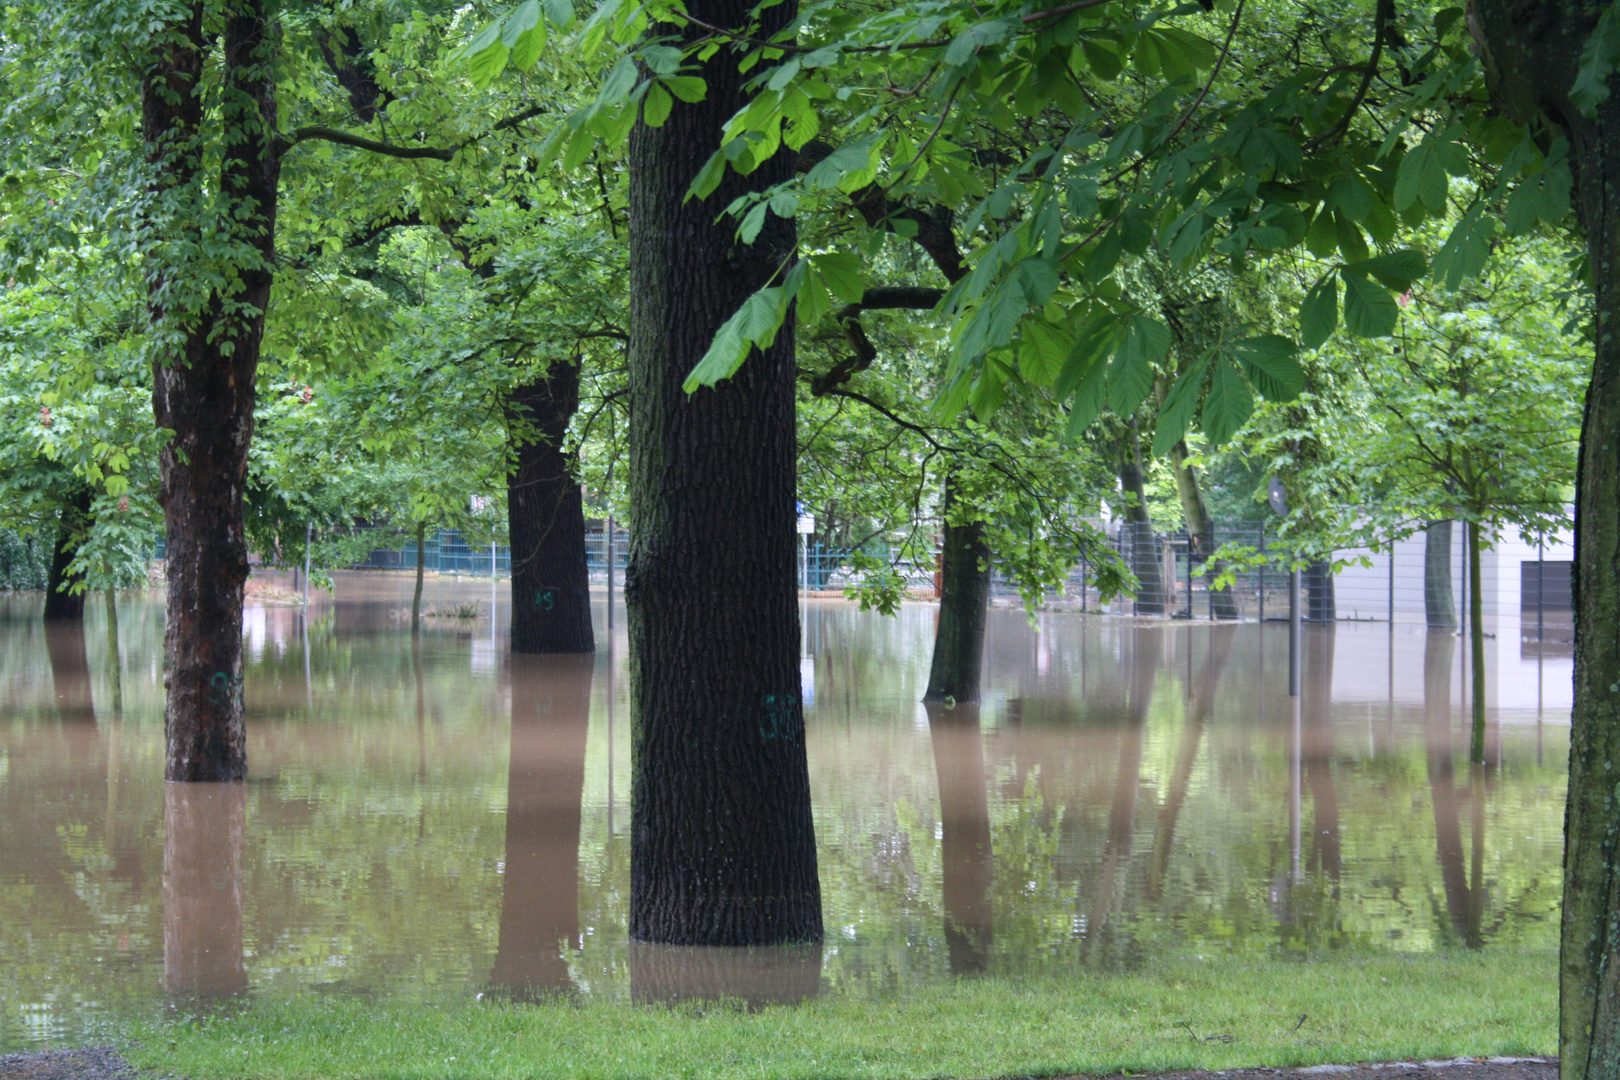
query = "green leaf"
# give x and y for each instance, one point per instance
(1038, 278)
(1088, 398)
(620, 81)
(560, 12)
(689, 88)
(487, 63)
(1130, 375)
(854, 156)
(1422, 177)
(1467, 249)
(1042, 352)
(1227, 406)
(753, 325)
(1599, 58)
(524, 17)
(528, 48)
(841, 272)
(1397, 270)
(1091, 345)
(656, 109)
(1369, 311)
(1319, 313)
(1180, 405)
(708, 177)
(1105, 256)
(1268, 362)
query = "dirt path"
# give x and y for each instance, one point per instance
(105, 1063)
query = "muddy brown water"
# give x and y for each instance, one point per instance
(439, 816)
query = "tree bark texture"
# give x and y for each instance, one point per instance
(61, 602)
(963, 602)
(203, 386)
(1438, 606)
(545, 513)
(551, 700)
(1532, 53)
(968, 863)
(722, 841)
(203, 826)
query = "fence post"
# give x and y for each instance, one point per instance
(1261, 592)
(607, 543)
(1392, 584)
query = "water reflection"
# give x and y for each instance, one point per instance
(203, 827)
(422, 815)
(539, 919)
(671, 974)
(967, 864)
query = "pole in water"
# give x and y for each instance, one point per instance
(1293, 634)
(309, 533)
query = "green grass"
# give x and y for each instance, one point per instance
(1189, 1014)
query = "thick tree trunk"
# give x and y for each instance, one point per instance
(1532, 53)
(722, 841)
(551, 594)
(203, 385)
(671, 974)
(968, 865)
(1438, 605)
(203, 826)
(1138, 525)
(963, 602)
(1201, 531)
(61, 599)
(551, 700)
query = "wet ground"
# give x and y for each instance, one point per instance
(442, 816)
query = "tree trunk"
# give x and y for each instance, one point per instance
(1532, 53)
(722, 841)
(1138, 526)
(968, 864)
(1460, 901)
(421, 561)
(1200, 532)
(551, 700)
(551, 593)
(758, 978)
(964, 599)
(203, 383)
(1438, 606)
(61, 601)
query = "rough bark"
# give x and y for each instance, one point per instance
(545, 513)
(968, 863)
(551, 698)
(1532, 53)
(203, 826)
(203, 382)
(722, 840)
(64, 592)
(953, 675)
(1438, 606)
(1144, 554)
(1200, 531)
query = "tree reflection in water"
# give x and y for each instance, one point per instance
(202, 892)
(551, 698)
(968, 866)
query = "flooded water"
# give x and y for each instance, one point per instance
(444, 817)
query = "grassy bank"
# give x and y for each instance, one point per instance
(1218, 1014)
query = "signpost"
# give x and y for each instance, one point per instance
(807, 526)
